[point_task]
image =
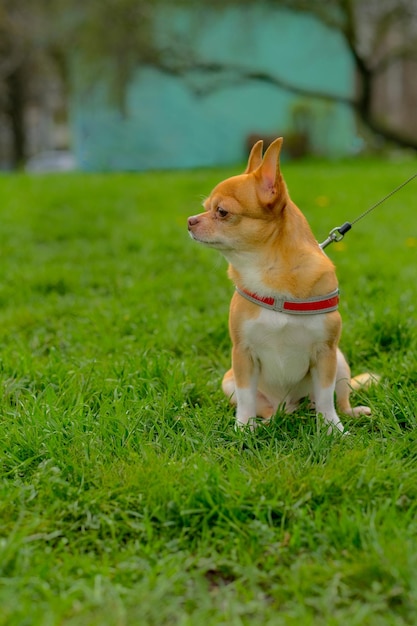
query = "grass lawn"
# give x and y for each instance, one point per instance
(127, 497)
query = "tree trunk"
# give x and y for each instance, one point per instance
(15, 84)
(362, 104)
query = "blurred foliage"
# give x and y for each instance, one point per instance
(125, 30)
(39, 38)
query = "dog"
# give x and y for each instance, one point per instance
(284, 323)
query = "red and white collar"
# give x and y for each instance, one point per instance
(293, 306)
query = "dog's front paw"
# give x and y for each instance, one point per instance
(249, 423)
(252, 423)
(336, 429)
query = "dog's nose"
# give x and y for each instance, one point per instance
(192, 221)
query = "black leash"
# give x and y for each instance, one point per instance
(339, 232)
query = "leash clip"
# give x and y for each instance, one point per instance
(336, 234)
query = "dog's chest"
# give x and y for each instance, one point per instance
(283, 344)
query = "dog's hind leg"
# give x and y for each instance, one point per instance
(228, 386)
(344, 386)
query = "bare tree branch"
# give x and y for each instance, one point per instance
(228, 75)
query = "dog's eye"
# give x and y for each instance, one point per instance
(221, 212)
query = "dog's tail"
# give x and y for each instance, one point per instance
(364, 381)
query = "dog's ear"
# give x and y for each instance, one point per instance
(255, 157)
(269, 173)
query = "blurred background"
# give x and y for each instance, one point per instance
(105, 85)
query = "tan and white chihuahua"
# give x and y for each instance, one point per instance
(284, 322)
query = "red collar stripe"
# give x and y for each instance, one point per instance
(319, 304)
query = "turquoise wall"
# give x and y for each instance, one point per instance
(166, 124)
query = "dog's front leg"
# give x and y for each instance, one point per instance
(245, 372)
(323, 374)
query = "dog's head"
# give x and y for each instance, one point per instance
(242, 211)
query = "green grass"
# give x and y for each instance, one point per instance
(127, 497)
